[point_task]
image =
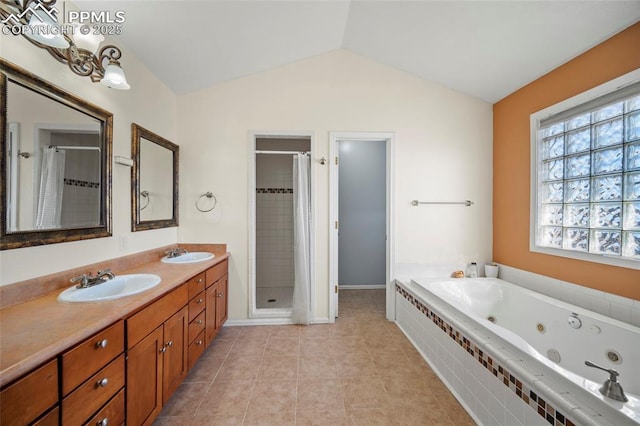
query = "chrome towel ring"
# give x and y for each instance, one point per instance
(208, 195)
(145, 194)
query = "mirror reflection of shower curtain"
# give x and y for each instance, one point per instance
(49, 211)
(301, 309)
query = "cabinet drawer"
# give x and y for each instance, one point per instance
(110, 414)
(196, 349)
(89, 397)
(196, 305)
(216, 272)
(150, 318)
(196, 285)
(51, 419)
(90, 356)
(18, 405)
(196, 326)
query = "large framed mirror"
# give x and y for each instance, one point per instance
(154, 180)
(55, 160)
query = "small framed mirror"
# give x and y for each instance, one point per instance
(154, 180)
(55, 162)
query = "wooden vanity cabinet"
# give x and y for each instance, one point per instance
(217, 299)
(221, 301)
(52, 418)
(93, 372)
(111, 414)
(197, 317)
(157, 355)
(30, 397)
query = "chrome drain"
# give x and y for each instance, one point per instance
(492, 319)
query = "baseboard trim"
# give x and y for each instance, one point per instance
(269, 321)
(362, 287)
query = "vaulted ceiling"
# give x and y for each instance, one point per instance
(486, 49)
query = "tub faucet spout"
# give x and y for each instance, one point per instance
(611, 387)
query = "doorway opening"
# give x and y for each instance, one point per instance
(361, 199)
(279, 258)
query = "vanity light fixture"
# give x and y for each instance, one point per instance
(74, 45)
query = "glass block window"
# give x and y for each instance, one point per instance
(588, 177)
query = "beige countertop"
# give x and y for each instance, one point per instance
(37, 330)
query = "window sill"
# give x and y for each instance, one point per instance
(621, 262)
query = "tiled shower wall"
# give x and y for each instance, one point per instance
(274, 221)
(81, 195)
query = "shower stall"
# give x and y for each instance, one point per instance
(279, 165)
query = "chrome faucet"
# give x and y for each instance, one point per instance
(175, 252)
(89, 280)
(611, 387)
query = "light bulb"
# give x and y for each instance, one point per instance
(114, 77)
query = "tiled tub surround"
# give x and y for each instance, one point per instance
(537, 324)
(493, 379)
(36, 327)
(607, 304)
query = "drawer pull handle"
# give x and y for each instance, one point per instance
(199, 342)
(103, 422)
(102, 383)
(102, 344)
(199, 281)
(199, 301)
(170, 343)
(219, 294)
(163, 349)
(199, 322)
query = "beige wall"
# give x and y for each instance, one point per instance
(148, 103)
(610, 59)
(442, 152)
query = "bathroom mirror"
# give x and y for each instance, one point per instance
(55, 162)
(154, 177)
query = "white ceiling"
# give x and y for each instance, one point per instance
(486, 49)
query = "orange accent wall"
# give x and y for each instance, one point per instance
(511, 164)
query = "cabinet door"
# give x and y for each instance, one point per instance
(221, 301)
(210, 314)
(144, 379)
(176, 354)
(18, 406)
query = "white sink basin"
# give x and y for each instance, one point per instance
(120, 286)
(193, 257)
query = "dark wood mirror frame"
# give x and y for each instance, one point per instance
(137, 134)
(13, 240)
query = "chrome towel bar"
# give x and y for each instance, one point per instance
(466, 202)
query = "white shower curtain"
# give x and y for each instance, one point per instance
(49, 211)
(301, 309)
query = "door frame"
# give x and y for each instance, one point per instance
(334, 139)
(266, 315)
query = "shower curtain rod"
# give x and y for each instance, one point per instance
(282, 152)
(81, 148)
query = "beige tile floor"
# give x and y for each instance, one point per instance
(359, 371)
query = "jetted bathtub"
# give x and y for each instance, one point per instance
(554, 338)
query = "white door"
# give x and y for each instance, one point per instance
(336, 227)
